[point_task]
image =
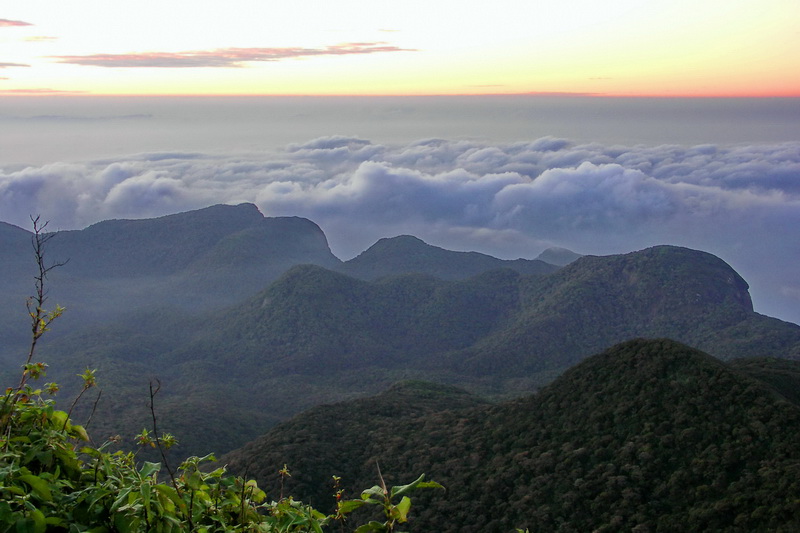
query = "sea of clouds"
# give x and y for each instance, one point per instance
(740, 202)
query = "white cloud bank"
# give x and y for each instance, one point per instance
(741, 203)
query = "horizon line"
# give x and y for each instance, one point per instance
(561, 94)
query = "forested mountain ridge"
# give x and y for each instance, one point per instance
(649, 435)
(196, 261)
(315, 335)
(663, 291)
(406, 253)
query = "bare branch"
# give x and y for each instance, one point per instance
(155, 433)
(40, 318)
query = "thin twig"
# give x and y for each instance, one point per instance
(155, 433)
(94, 408)
(71, 407)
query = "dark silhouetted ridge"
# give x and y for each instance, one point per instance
(558, 256)
(406, 254)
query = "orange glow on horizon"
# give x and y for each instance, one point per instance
(622, 48)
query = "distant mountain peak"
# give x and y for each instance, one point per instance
(408, 254)
(400, 243)
(556, 255)
(214, 214)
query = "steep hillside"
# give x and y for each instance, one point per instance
(314, 321)
(497, 326)
(16, 283)
(317, 336)
(405, 254)
(780, 374)
(594, 302)
(13, 238)
(649, 435)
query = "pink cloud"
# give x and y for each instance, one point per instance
(9, 65)
(224, 57)
(5, 23)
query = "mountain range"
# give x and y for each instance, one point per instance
(247, 320)
(201, 260)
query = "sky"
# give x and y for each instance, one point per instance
(503, 127)
(390, 47)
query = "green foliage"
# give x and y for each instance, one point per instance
(50, 480)
(51, 483)
(395, 503)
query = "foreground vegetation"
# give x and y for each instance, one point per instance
(52, 480)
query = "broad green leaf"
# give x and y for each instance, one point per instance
(194, 481)
(58, 419)
(348, 506)
(127, 523)
(149, 469)
(171, 494)
(402, 509)
(255, 494)
(34, 523)
(430, 485)
(371, 526)
(145, 490)
(400, 490)
(79, 432)
(39, 486)
(121, 499)
(375, 491)
(55, 521)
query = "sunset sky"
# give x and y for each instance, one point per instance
(305, 47)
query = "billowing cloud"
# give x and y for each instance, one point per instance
(740, 202)
(223, 57)
(6, 23)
